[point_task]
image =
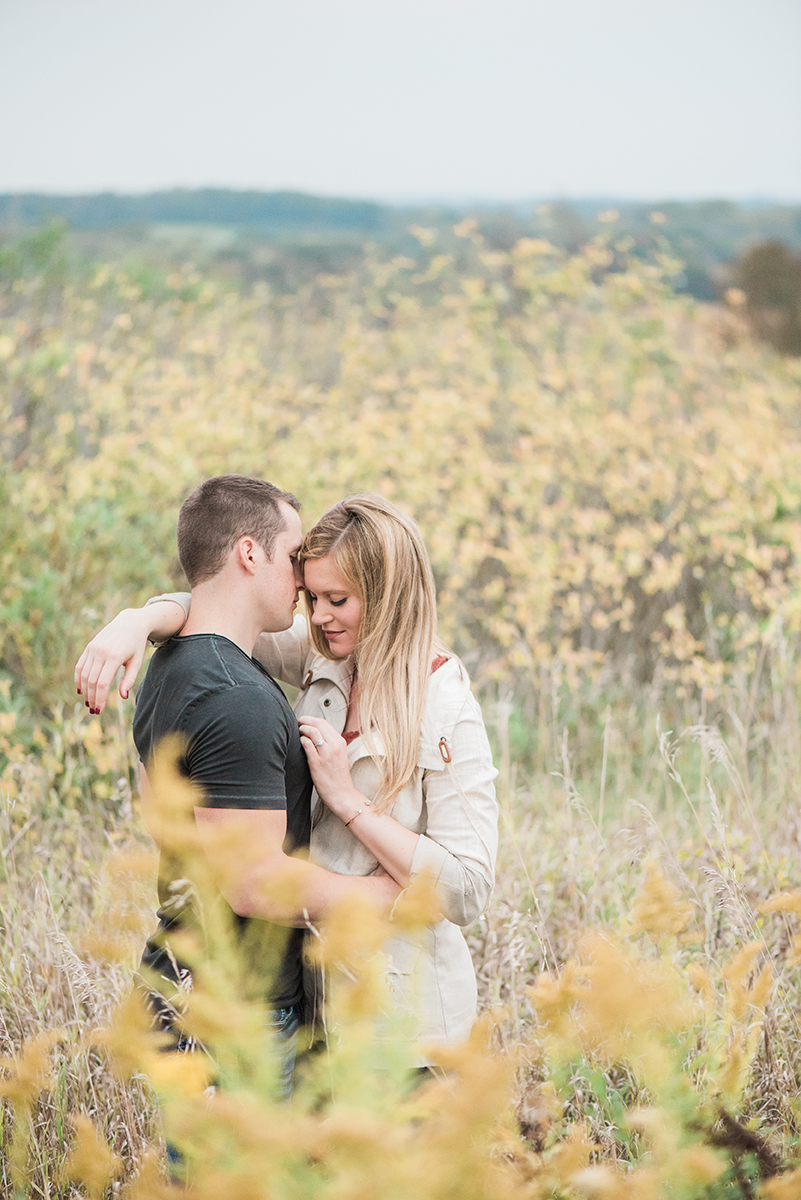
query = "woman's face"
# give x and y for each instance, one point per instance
(335, 609)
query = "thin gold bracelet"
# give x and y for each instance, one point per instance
(355, 815)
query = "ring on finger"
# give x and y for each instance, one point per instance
(320, 742)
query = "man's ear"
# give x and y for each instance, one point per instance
(246, 553)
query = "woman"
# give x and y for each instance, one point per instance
(394, 737)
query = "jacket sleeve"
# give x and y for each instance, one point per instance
(460, 842)
(284, 654)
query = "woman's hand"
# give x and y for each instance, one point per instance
(327, 753)
(122, 643)
(391, 843)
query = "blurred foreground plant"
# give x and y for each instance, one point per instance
(632, 1002)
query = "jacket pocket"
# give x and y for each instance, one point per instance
(402, 955)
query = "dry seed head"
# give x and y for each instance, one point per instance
(365, 995)
(210, 1017)
(658, 908)
(104, 947)
(789, 902)
(91, 1162)
(181, 1074)
(285, 888)
(174, 798)
(794, 957)
(352, 931)
(239, 1120)
(552, 999)
(130, 1041)
(418, 905)
(731, 1078)
(30, 1072)
(736, 972)
(564, 1160)
(600, 1183)
(138, 864)
(149, 1182)
(782, 1187)
(739, 996)
(243, 1180)
(782, 902)
(692, 1165)
(629, 997)
(762, 989)
(354, 1137)
(698, 1165)
(701, 982)
(485, 1080)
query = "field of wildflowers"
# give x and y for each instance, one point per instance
(607, 477)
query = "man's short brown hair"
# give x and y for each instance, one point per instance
(221, 511)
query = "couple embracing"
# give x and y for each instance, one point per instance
(383, 771)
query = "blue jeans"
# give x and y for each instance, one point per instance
(285, 1022)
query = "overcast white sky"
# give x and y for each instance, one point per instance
(492, 99)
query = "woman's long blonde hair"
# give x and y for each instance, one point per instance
(380, 554)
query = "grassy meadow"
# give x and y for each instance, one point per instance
(608, 477)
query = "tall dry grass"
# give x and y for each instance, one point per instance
(576, 840)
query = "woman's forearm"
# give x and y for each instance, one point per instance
(391, 843)
(160, 619)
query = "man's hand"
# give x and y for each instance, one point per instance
(122, 643)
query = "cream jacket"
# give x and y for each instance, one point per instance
(451, 804)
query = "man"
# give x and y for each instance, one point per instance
(238, 540)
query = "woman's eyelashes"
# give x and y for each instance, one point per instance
(333, 603)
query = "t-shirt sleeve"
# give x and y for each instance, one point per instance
(238, 741)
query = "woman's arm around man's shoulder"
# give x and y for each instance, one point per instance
(122, 643)
(285, 654)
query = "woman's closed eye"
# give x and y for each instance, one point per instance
(334, 603)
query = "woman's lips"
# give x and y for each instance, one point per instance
(333, 633)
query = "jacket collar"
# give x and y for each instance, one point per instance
(447, 693)
(336, 671)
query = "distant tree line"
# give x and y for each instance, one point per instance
(720, 244)
(217, 206)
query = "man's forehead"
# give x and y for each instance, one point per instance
(294, 530)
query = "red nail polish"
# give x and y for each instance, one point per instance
(125, 695)
(79, 692)
(86, 702)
